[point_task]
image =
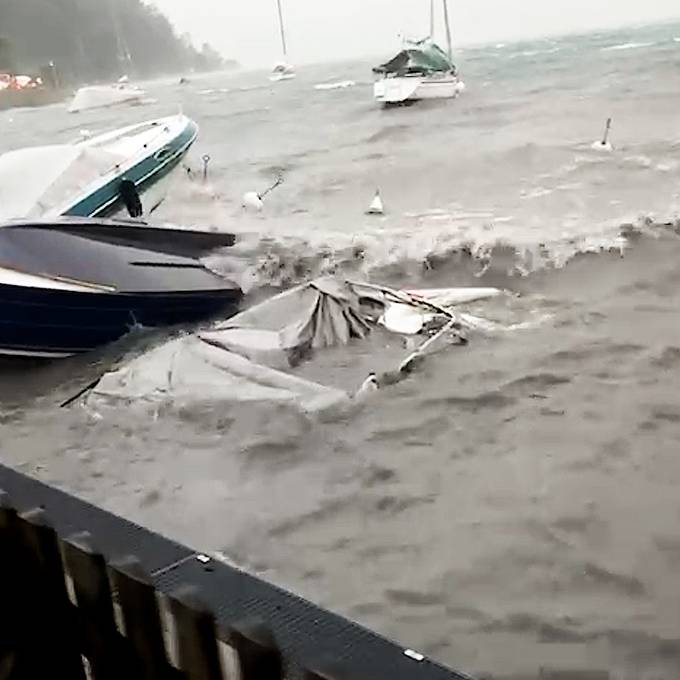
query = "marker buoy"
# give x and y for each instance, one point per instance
(376, 207)
(604, 144)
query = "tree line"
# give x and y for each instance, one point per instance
(90, 40)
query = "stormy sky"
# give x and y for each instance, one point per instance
(326, 30)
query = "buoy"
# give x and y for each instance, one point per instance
(85, 134)
(252, 201)
(376, 207)
(368, 387)
(604, 144)
(123, 80)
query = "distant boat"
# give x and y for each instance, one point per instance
(105, 96)
(282, 70)
(97, 177)
(421, 70)
(67, 287)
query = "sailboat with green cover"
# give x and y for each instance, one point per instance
(421, 70)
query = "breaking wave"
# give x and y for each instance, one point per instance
(286, 260)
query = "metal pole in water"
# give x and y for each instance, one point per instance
(448, 27)
(431, 19)
(206, 161)
(607, 128)
(283, 33)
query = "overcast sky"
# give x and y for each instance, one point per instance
(319, 30)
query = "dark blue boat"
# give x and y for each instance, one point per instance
(73, 285)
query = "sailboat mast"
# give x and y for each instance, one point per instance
(431, 19)
(448, 27)
(283, 33)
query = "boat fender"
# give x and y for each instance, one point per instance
(130, 197)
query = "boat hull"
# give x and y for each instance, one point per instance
(53, 323)
(415, 88)
(150, 175)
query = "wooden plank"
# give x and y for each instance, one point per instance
(195, 635)
(52, 617)
(102, 644)
(13, 621)
(141, 618)
(258, 653)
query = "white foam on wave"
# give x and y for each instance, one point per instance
(339, 85)
(627, 46)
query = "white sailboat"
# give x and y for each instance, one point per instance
(282, 70)
(422, 70)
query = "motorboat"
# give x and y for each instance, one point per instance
(106, 96)
(95, 177)
(71, 285)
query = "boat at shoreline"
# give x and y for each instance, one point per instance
(70, 286)
(105, 96)
(85, 179)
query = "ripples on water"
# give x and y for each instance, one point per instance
(513, 504)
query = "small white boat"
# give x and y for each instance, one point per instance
(282, 70)
(89, 178)
(104, 96)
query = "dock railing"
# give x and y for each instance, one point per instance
(87, 594)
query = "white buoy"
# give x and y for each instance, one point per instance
(368, 387)
(604, 144)
(85, 134)
(376, 207)
(252, 201)
(123, 80)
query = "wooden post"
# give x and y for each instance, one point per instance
(196, 636)
(258, 653)
(52, 617)
(102, 644)
(14, 632)
(141, 618)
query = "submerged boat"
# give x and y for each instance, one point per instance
(260, 354)
(105, 96)
(97, 177)
(282, 70)
(421, 70)
(69, 286)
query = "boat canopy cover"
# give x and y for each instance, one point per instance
(238, 360)
(36, 179)
(247, 357)
(422, 57)
(99, 96)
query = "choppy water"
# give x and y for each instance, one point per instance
(514, 504)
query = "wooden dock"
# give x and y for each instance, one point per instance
(87, 594)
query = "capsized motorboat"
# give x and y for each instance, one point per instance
(105, 96)
(421, 70)
(256, 355)
(89, 178)
(70, 285)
